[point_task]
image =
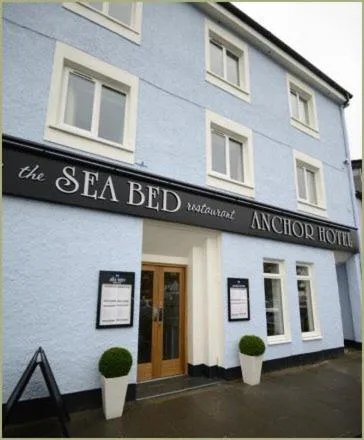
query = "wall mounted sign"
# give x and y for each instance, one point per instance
(47, 174)
(238, 299)
(115, 303)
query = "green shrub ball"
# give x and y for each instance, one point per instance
(115, 362)
(251, 345)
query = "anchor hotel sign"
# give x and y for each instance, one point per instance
(46, 174)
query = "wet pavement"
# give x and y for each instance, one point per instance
(321, 400)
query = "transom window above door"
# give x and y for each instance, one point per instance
(229, 155)
(227, 61)
(123, 18)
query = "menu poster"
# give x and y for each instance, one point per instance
(238, 299)
(116, 299)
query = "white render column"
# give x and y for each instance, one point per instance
(213, 304)
(196, 335)
(354, 277)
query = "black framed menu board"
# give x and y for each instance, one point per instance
(238, 299)
(116, 299)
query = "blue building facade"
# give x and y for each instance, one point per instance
(182, 144)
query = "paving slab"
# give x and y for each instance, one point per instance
(314, 401)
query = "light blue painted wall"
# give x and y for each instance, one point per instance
(56, 274)
(242, 257)
(173, 97)
(52, 255)
(345, 305)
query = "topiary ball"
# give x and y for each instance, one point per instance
(251, 345)
(115, 362)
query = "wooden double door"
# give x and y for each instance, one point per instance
(161, 347)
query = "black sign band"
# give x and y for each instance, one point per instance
(46, 174)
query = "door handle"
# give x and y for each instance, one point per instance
(160, 315)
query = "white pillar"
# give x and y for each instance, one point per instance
(214, 314)
(195, 307)
(354, 282)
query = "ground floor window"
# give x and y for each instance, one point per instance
(275, 307)
(309, 322)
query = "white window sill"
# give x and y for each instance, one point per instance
(227, 86)
(275, 340)
(129, 32)
(312, 131)
(73, 138)
(223, 182)
(319, 210)
(311, 336)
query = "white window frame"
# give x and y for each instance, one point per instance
(286, 337)
(132, 32)
(241, 134)
(67, 57)
(316, 333)
(316, 166)
(312, 129)
(236, 46)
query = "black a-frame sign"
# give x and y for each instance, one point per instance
(39, 358)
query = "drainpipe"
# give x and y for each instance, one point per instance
(350, 171)
(353, 266)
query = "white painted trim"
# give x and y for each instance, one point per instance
(132, 32)
(253, 37)
(164, 259)
(243, 135)
(236, 46)
(56, 131)
(286, 337)
(309, 95)
(316, 166)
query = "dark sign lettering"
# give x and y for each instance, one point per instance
(45, 174)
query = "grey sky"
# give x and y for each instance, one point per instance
(329, 35)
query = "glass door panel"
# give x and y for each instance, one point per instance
(171, 322)
(161, 322)
(145, 317)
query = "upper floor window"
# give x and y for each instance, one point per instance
(302, 107)
(123, 18)
(309, 184)
(309, 322)
(229, 155)
(227, 61)
(92, 105)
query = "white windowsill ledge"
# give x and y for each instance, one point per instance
(74, 139)
(312, 131)
(319, 210)
(221, 182)
(311, 337)
(278, 341)
(75, 132)
(227, 86)
(227, 179)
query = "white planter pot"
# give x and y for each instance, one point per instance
(251, 368)
(113, 395)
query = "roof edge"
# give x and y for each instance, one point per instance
(243, 17)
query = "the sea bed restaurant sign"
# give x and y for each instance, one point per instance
(45, 174)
